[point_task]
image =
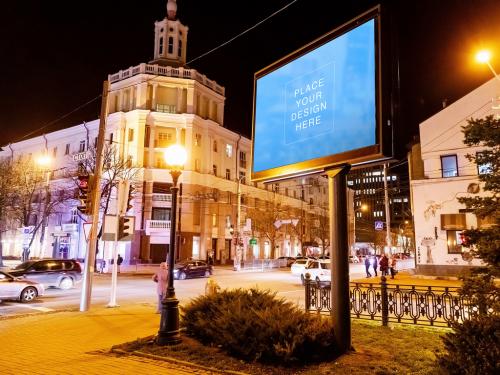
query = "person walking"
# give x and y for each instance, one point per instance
(374, 262)
(392, 266)
(119, 261)
(161, 280)
(367, 266)
(384, 265)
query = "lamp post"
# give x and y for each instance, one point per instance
(169, 334)
(363, 208)
(484, 57)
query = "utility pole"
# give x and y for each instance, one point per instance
(95, 191)
(387, 212)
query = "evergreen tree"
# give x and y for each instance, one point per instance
(474, 346)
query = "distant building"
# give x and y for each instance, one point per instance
(439, 174)
(152, 106)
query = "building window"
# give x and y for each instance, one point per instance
(214, 169)
(179, 50)
(449, 166)
(164, 136)
(197, 139)
(66, 151)
(110, 138)
(214, 220)
(147, 134)
(228, 174)
(197, 165)
(54, 152)
(82, 146)
(74, 216)
(454, 242)
(243, 159)
(242, 177)
(131, 135)
(129, 161)
(229, 150)
(170, 45)
(215, 146)
(482, 166)
(166, 108)
(160, 49)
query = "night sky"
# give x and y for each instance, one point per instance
(56, 54)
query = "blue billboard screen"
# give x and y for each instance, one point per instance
(319, 104)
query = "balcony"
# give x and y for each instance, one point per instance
(158, 228)
(162, 200)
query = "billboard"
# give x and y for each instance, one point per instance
(319, 106)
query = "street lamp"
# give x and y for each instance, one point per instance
(169, 334)
(363, 208)
(484, 57)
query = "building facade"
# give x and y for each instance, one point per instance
(150, 107)
(440, 173)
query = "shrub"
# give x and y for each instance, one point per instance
(256, 325)
(473, 347)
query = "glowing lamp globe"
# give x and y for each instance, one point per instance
(44, 160)
(483, 56)
(175, 156)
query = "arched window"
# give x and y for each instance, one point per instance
(160, 48)
(179, 50)
(170, 45)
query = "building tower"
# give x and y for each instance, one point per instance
(170, 39)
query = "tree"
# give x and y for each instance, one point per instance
(6, 184)
(474, 346)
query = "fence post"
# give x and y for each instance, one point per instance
(385, 301)
(308, 291)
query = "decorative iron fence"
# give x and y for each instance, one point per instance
(410, 304)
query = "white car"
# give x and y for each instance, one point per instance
(319, 270)
(298, 266)
(19, 289)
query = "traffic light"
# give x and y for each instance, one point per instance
(125, 228)
(130, 197)
(85, 194)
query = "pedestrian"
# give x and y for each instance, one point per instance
(384, 265)
(119, 261)
(392, 266)
(161, 280)
(374, 262)
(367, 266)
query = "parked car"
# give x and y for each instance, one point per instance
(289, 260)
(319, 270)
(192, 268)
(19, 289)
(298, 266)
(59, 273)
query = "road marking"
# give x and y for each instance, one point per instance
(43, 309)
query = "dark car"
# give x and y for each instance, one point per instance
(287, 260)
(59, 273)
(192, 268)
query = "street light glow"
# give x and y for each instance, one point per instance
(44, 160)
(175, 156)
(364, 207)
(483, 56)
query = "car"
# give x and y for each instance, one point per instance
(319, 271)
(15, 288)
(289, 260)
(297, 266)
(192, 268)
(353, 259)
(59, 273)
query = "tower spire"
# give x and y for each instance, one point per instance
(171, 9)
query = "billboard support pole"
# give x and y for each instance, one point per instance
(340, 312)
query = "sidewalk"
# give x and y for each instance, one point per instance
(74, 342)
(406, 278)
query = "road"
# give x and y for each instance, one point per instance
(139, 288)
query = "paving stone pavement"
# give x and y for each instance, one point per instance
(74, 342)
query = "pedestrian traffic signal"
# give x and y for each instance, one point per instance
(125, 228)
(85, 194)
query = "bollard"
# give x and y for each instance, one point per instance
(385, 301)
(308, 291)
(211, 287)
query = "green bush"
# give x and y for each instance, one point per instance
(256, 325)
(473, 347)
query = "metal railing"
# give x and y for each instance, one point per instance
(410, 304)
(263, 264)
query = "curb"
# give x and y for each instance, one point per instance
(176, 361)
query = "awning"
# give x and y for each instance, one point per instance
(453, 222)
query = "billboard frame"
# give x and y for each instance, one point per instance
(379, 151)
